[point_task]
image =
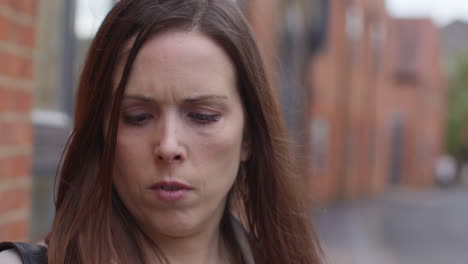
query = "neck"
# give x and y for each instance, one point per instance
(206, 247)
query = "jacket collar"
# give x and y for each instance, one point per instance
(241, 237)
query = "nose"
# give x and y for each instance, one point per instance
(168, 147)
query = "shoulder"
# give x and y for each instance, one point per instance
(13, 252)
(10, 256)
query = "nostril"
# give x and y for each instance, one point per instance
(168, 158)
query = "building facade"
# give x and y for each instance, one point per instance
(17, 88)
(412, 110)
(368, 128)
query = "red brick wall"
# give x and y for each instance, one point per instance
(17, 46)
(366, 78)
(262, 16)
(354, 98)
(328, 92)
(420, 102)
(345, 79)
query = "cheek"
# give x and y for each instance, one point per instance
(225, 147)
(225, 140)
(126, 155)
(128, 177)
(219, 156)
(130, 154)
(132, 145)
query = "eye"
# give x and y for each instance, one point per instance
(137, 119)
(204, 118)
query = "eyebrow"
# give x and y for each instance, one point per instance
(139, 98)
(186, 100)
(205, 98)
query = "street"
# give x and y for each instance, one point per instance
(402, 226)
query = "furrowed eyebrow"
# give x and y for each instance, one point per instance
(205, 98)
(140, 98)
(189, 100)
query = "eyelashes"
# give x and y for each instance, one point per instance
(196, 117)
(204, 118)
(137, 119)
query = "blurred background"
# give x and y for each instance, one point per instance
(374, 92)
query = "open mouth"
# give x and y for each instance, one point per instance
(170, 186)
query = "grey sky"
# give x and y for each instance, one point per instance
(90, 13)
(89, 16)
(442, 11)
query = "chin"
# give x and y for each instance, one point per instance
(174, 224)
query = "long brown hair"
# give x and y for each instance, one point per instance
(93, 226)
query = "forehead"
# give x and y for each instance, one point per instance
(181, 46)
(178, 59)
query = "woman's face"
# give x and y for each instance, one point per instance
(180, 139)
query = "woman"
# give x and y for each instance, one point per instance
(177, 134)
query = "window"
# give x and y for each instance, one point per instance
(319, 143)
(378, 38)
(354, 31)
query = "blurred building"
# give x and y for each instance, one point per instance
(288, 34)
(454, 38)
(282, 30)
(345, 78)
(376, 115)
(18, 34)
(413, 108)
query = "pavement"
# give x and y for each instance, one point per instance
(403, 226)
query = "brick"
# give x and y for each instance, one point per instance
(14, 199)
(6, 100)
(25, 35)
(4, 65)
(13, 65)
(5, 3)
(3, 163)
(5, 28)
(18, 67)
(20, 166)
(15, 167)
(27, 69)
(23, 135)
(23, 101)
(5, 167)
(28, 7)
(7, 133)
(14, 231)
(15, 133)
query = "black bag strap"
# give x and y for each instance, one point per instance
(30, 253)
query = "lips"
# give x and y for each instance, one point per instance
(170, 186)
(171, 191)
